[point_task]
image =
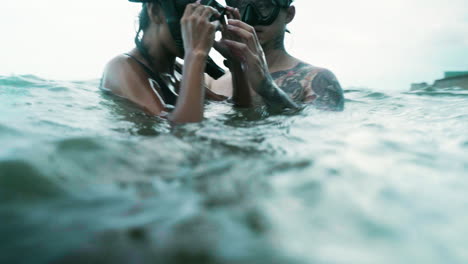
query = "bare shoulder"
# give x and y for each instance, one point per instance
(222, 86)
(326, 90)
(116, 73)
(124, 77)
(311, 84)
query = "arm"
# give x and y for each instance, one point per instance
(273, 95)
(254, 65)
(241, 93)
(257, 76)
(326, 91)
(198, 35)
(241, 90)
(189, 106)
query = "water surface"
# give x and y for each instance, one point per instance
(86, 176)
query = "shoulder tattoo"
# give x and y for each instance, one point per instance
(308, 84)
(328, 91)
(293, 81)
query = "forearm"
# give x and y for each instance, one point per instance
(273, 96)
(242, 93)
(189, 107)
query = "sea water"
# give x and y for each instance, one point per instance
(87, 177)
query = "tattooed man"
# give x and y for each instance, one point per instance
(260, 67)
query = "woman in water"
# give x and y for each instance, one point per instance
(147, 74)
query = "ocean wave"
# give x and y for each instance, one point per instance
(23, 81)
(6, 130)
(85, 175)
(22, 181)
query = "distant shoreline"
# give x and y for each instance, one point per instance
(451, 79)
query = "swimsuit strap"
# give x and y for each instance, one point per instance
(169, 96)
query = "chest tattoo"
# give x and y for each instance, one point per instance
(295, 81)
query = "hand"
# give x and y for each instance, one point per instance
(248, 51)
(198, 33)
(220, 46)
(253, 64)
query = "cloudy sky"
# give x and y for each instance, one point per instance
(377, 44)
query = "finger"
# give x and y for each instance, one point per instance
(254, 40)
(230, 12)
(224, 50)
(248, 38)
(241, 24)
(237, 14)
(221, 44)
(209, 11)
(239, 50)
(233, 13)
(198, 11)
(190, 8)
(225, 33)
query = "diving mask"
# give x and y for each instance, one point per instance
(259, 12)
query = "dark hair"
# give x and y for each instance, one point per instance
(143, 23)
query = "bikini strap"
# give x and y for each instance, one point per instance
(168, 95)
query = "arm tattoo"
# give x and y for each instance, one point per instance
(309, 84)
(329, 91)
(273, 95)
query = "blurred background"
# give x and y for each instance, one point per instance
(384, 45)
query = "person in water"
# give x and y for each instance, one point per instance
(148, 76)
(257, 58)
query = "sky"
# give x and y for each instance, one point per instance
(382, 45)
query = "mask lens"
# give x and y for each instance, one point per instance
(264, 8)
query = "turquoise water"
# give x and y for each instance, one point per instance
(86, 177)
